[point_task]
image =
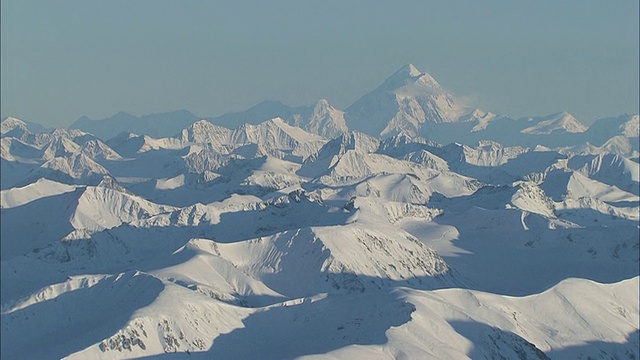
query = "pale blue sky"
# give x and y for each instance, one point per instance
(64, 59)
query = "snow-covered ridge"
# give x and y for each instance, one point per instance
(557, 122)
(40, 189)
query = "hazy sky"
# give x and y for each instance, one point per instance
(64, 59)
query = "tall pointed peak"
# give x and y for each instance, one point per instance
(409, 75)
(407, 71)
(391, 108)
(411, 70)
(561, 117)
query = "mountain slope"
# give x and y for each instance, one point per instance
(403, 103)
(320, 118)
(563, 122)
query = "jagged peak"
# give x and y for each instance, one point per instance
(13, 120)
(11, 123)
(357, 136)
(274, 122)
(401, 138)
(322, 105)
(278, 124)
(353, 140)
(68, 133)
(110, 183)
(322, 102)
(277, 121)
(200, 123)
(324, 108)
(631, 128)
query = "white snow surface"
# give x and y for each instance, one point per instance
(42, 188)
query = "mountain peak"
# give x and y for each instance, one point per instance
(403, 103)
(410, 70)
(11, 123)
(407, 72)
(322, 106)
(277, 121)
(322, 103)
(201, 122)
(562, 121)
(408, 79)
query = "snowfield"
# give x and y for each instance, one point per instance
(408, 226)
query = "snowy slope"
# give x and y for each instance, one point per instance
(80, 210)
(275, 134)
(74, 166)
(562, 122)
(610, 169)
(603, 129)
(42, 188)
(322, 119)
(402, 104)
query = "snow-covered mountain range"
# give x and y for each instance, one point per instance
(410, 103)
(409, 225)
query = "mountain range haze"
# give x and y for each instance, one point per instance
(216, 58)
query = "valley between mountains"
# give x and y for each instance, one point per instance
(408, 226)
